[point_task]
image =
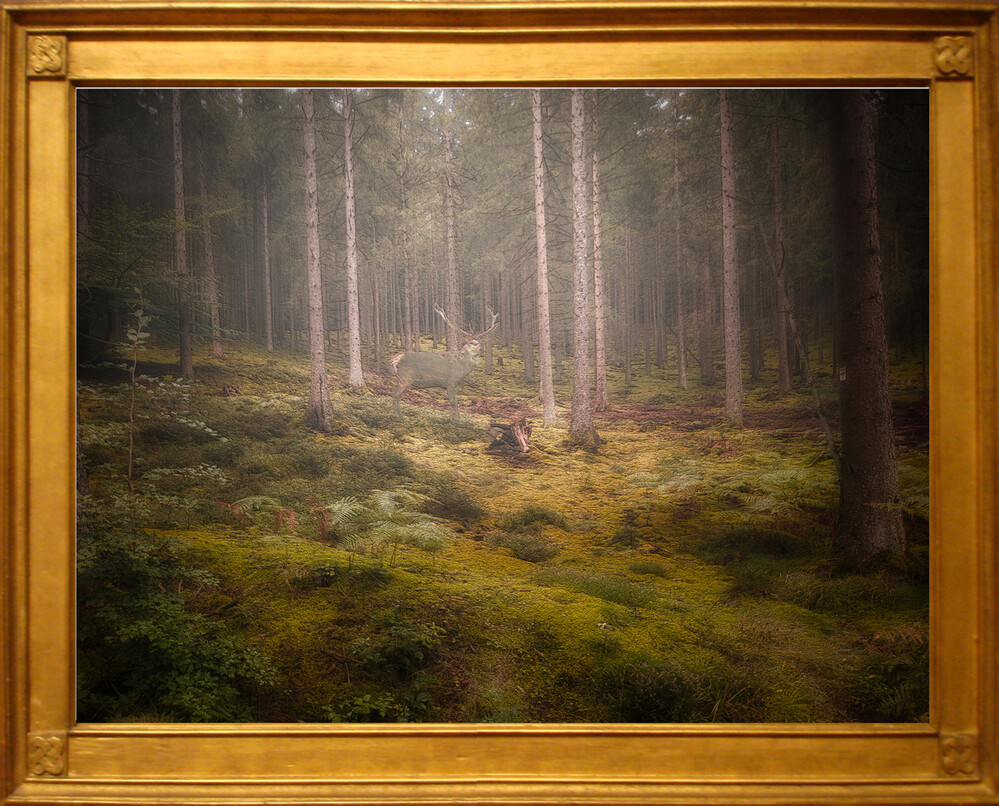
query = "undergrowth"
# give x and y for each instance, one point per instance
(397, 572)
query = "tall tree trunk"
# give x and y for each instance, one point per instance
(870, 522)
(544, 311)
(580, 413)
(627, 298)
(706, 336)
(210, 273)
(527, 300)
(410, 317)
(319, 414)
(183, 274)
(451, 298)
(355, 376)
(599, 334)
(268, 289)
(681, 319)
(783, 362)
(730, 270)
(246, 262)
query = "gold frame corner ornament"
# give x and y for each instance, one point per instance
(953, 56)
(959, 754)
(46, 57)
(47, 754)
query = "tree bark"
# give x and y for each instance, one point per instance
(783, 362)
(730, 272)
(268, 287)
(599, 334)
(355, 375)
(870, 521)
(581, 413)
(183, 274)
(319, 414)
(451, 298)
(543, 305)
(681, 319)
(210, 269)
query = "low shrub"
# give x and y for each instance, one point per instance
(649, 567)
(532, 548)
(600, 586)
(450, 500)
(533, 516)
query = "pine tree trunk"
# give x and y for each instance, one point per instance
(268, 289)
(783, 362)
(870, 522)
(543, 306)
(581, 413)
(705, 334)
(451, 298)
(319, 414)
(599, 333)
(183, 274)
(355, 375)
(730, 272)
(210, 272)
(681, 319)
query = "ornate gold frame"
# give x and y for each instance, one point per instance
(49, 47)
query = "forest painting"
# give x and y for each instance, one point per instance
(502, 405)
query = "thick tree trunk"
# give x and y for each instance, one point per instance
(183, 274)
(355, 375)
(581, 413)
(319, 414)
(544, 315)
(870, 522)
(730, 272)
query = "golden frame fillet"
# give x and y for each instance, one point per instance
(49, 48)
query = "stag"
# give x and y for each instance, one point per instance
(423, 370)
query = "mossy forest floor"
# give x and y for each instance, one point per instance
(399, 571)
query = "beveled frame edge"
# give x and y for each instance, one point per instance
(34, 767)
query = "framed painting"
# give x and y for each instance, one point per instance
(68, 737)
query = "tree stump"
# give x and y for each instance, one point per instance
(510, 437)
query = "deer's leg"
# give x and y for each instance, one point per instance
(452, 396)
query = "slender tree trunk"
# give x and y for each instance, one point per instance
(544, 313)
(246, 262)
(706, 336)
(581, 412)
(599, 334)
(783, 363)
(411, 338)
(681, 319)
(527, 299)
(451, 297)
(268, 290)
(730, 281)
(627, 297)
(870, 521)
(319, 414)
(183, 274)
(213, 291)
(355, 375)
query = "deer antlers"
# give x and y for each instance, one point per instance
(465, 333)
